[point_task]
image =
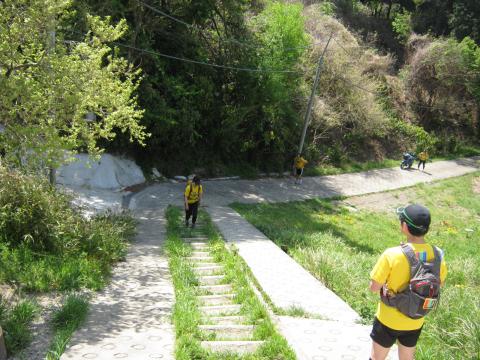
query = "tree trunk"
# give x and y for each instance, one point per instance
(3, 349)
(389, 9)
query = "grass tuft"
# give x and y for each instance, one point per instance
(65, 321)
(15, 322)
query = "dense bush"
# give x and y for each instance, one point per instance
(45, 244)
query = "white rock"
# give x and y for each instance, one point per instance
(110, 172)
(156, 173)
(180, 178)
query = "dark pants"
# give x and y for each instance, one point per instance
(420, 162)
(192, 211)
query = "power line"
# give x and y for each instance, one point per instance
(228, 67)
(232, 40)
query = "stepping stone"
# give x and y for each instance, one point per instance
(211, 279)
(225, 299)
(220, 310)
(217, 289)
(200, 253)
(229, 332)
(238, 347)
(208, 270)
(194, 239)
(226, 320)
(199, 245)
(204, 264)
(200, 259)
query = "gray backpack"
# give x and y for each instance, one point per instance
(423, 291)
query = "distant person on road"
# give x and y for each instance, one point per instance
(192, 196)
(422, 159)
(298, 166)
(413, 271)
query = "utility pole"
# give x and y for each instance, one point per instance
(312, 96)
(52, 172)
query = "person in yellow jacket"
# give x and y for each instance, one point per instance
(298, 166)
(392, 273)
(422, 159)
(192, 197)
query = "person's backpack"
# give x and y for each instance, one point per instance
(423, 290)
(191, 188)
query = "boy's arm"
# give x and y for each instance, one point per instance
(379, 273)
(375, 286)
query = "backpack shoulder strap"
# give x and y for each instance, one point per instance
(437, 261)
(412, 259)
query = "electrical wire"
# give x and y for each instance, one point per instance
(232, 40)
(228, 67)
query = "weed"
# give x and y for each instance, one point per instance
(65, 321)
(15, 323)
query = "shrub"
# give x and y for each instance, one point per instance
(45, 244)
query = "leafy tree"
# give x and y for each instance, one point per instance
(48, 86)
(465, 19)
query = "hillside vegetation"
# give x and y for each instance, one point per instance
(211, 86)
(383, 89)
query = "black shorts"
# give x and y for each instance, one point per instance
(386, 337)
(299, 171)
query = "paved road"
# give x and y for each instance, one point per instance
(221, 193)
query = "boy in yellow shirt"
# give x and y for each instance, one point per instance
(392, 273)
(192, 197)
(299, 164)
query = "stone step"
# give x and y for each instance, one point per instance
(199, 246)
(220, 310)
(224, 299)
(204, 264)
(208, 270)
(238, 347)
(200, 259)
(216, 289)
(200, 253)
(194, 239)
(225, 320)
(211, 279)
(229, 332)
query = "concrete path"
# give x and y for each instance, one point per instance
(130, 319)
(287, 284)
(284, 189)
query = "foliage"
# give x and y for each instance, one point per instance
(65, 321)
(402, 25)
(44, 244)
(340, 247)
(15, 322)
(327, 8)
(441, 87)
(48, 85)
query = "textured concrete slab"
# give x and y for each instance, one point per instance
(286, 283)
(131, 318)
(328, 340)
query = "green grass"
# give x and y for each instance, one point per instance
(15, 322)
(340, 248)
(64, 322)
(349, 167)
(186, 315)
(86, 265)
